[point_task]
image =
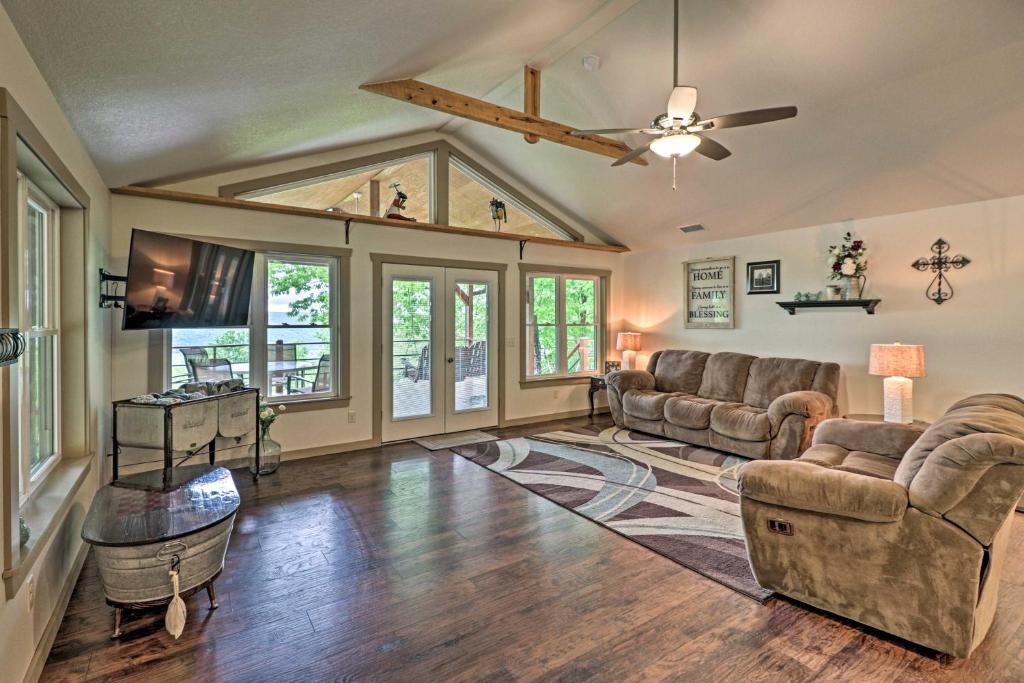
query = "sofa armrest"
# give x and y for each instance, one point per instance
(883, 438)
(806, 486)
(810, 404)
(619, 383)
(624, 380)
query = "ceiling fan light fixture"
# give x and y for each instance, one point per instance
(675, 145)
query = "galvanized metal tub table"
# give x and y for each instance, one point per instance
(142, 524)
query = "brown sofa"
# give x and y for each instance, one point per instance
(901, 533)
(754, 407)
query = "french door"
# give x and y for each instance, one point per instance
(440, 334)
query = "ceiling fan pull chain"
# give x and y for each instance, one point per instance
(673, 173)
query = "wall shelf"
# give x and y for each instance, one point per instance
(867, 304)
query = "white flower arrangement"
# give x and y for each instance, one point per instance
(268, 414)
(848, 259)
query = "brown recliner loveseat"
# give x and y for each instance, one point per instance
(754, 407)
(902, 531)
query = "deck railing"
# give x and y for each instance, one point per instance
(236, 353)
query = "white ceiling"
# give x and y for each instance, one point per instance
(903, 105)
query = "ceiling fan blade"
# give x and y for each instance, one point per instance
(606, 131)
(711, 149)
(748, 118)
(682, 102)
(629, 156)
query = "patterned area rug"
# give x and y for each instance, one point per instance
(678, 500)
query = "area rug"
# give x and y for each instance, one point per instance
(442, 441)
(678, 500)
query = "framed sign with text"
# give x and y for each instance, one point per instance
(709, 293)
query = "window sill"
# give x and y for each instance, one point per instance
(555, 381)
(313, 404)
(44, 512)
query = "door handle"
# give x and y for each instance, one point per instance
(451, 360)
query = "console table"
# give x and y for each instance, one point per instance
(143, 525)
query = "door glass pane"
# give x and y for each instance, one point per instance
(542, 326)
(471, 319)
(298, 327)
(209, 355)
(39, 372)
(581, 343)
(37, 272)
(411, 325)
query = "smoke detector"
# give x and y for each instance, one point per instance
(591, 62)
(696, 227)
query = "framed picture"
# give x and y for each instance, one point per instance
(709, 293)
(763, 277)
(612, 366)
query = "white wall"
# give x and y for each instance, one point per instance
(973, 342)
(21, 627)
(313, 429)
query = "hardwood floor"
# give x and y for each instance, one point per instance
(400, 564)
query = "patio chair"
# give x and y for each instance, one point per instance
(298, 384)
(194, 354)
(422, 369)
(213, 370)
(277, 352)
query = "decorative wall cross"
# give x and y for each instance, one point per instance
(939, 289)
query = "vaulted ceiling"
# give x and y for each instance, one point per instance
(903, 105)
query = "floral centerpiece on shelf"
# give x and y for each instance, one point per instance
(848, 262)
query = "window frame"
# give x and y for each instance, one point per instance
(441, 161)
(602, 279)
(30, 193)
(259, 325)
(340, 304)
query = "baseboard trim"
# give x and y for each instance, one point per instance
(317, 451)
(42, 653)
(520, 421)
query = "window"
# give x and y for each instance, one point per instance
(39, 367)
(290, 349)
(367, 191)
(469, 206)
(563, 324)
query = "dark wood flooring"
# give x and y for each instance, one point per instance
(399, 564)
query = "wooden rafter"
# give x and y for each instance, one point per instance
(531, 97)
(464, 106)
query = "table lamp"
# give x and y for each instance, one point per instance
(629, 344)
(898, 363)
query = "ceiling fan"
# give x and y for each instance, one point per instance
(680, 129)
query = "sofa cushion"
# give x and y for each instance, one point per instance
(772, 377)
(748, 423)
(679, 371)
(725, 376)
(691, 412)
(645, 404)
(858, 462)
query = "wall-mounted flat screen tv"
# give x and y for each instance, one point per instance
(180, 282)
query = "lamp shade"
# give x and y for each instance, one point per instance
(897, 360)
(627, 341)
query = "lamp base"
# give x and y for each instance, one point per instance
(629, 360)
(899, 400)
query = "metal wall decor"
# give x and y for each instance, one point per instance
(12, 345)
(939, 289)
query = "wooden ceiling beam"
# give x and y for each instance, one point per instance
(531, 98)
(464, 106)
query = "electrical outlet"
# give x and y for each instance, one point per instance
(554, 393)
(510, 342)
(31, 591)
(351, 417)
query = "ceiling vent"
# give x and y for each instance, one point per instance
(696, 227)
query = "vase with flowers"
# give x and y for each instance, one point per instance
(848, 262)
(270, 450)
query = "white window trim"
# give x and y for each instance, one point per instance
(561, 325)
(28, 192)
(258, 326)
